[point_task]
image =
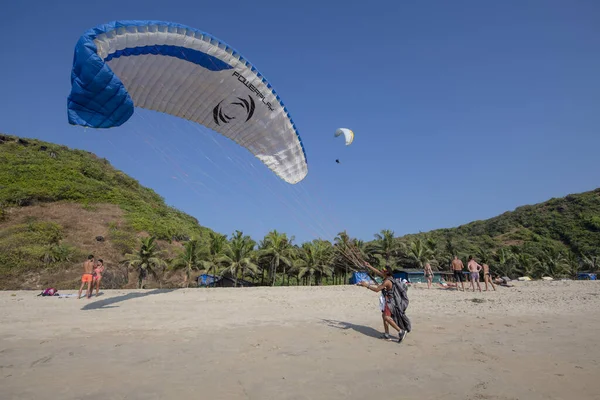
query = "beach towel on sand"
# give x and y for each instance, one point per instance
(49, 292)
(398, 305)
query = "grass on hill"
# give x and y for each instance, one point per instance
(38, 172)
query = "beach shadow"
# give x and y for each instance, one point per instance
(107, 303)
(365, 330)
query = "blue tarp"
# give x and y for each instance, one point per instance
(359, 277)
(586, 276)
(206, 280)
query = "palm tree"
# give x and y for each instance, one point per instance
(432, 244)
(146, 260)
(552, 262)
(344, 252)
(386, 246)
(591, 261)
(360, 248)
(189, 259)
(420, 252)
(450, 250)
(278, 251)
(216, 256)
(505, 262)
(573, 264)
(482, 255)
(240, 254)
(526, 264)
(314, 261)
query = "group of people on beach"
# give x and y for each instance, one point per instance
(474, 270)
(457, 271)
(92, 276)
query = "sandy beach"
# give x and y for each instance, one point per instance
(537, 340)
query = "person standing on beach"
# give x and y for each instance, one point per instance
(395, 303)
(87, 277)
(474, 269)
(428, 272)
(97, 278)
(457, 267)
(487, 277)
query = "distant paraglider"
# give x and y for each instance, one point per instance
(348, 136)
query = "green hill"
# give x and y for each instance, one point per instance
(72, 196)
(526, 241)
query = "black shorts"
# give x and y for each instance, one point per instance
(458, 276)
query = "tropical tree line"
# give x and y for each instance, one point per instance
(277, 260)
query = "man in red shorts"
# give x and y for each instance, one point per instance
(87, 277)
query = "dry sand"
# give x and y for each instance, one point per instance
(538, 340)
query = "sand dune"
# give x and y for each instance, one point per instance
(534, 341)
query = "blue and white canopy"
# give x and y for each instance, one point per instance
(174, 69)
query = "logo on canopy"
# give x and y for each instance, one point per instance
(237, 108)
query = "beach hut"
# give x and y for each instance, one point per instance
(417, 275)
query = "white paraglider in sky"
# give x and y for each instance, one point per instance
(348, 136)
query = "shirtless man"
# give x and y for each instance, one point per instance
(487, 277)
(457, 267)
(87, 277)
(428, 272)
(474, 269)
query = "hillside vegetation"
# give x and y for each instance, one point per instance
(57, 205)
(559, 235)
(36, 172)
(54, 202)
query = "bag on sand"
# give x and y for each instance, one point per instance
(49, 292)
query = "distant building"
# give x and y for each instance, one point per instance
(417, 275)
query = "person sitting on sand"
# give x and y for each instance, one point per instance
(474, 269)
(502, 281)
(98, 270)
(428, 272)
(446, 285)
(487, 277)
(395, 302)
(88, 266)
(457, 267)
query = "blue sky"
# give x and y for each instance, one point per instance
(462, 110)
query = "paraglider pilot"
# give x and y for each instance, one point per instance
(395, 302)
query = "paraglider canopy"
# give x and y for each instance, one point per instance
(348, 135)
(181, 71)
